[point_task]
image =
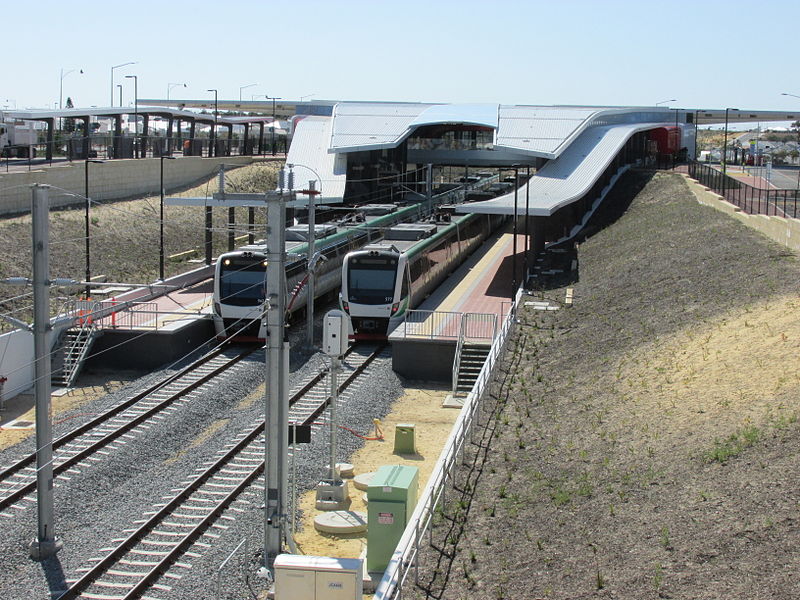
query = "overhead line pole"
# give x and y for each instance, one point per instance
(46, 543)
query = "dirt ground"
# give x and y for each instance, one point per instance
(423, 408)
(643, 443)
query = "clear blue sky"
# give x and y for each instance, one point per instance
(705, 54)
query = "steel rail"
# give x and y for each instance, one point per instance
(172, 555)
(76, 458)
(112, 412)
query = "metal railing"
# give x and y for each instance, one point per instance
(407, 552)
(430, 324)
(474, 327)
(479, 326)
(111, 314)
(752, 200)
(125, 146)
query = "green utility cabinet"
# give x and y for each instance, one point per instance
(391, 495)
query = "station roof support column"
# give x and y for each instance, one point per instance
(145, 135)
(117, 138)
(212, 143)
(168, 145)
(245, 150)
(230, 139)
(87, 142)
(48, 151)
(261, 138)
(192, 133)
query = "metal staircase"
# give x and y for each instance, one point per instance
(475, 339)
(470, 359)
(75, 348)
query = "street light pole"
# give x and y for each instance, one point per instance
(61, 85)
(214, 131)
(135, 113)
(112, 78)
(244, 87)
(86, 223)
(514, 242)
(119, 87)
(665, 101)
(798, 140)
(172, 85)
(161, 222)
(725, 144)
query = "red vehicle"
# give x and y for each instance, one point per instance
(667, 139)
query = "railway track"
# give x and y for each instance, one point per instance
(78, 447)
(154, 549)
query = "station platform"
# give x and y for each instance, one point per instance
(423, 347)
(158, 330)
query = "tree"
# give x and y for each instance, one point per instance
(69, 123)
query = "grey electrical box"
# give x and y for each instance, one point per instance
(334, 333)
(317, 578)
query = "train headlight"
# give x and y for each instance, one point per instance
(217, 308)
(226, 262)
(395, 308)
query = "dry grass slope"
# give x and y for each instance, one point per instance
(643, 443)
(125, 236)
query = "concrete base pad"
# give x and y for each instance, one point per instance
(332, 495)
(361, 481)
(341, 522)
(453, 402)
(343, 469)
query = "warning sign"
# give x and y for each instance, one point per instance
(385, 518)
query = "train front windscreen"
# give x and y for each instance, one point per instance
(370, 279)
(241, 281)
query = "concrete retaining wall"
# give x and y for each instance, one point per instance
(16, 363)
(112, 180)
(783, 230)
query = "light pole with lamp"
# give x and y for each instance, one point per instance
(313, 261)
(273, 120)
(61, 85)
(86, 223)
(161, 222)
(119, 87)
(725, 144)
(244, 87)
(665, 101)
(172, 85)
(514, 243)
(112, 78)
(135, 113)
(798, 139)
(214, 131)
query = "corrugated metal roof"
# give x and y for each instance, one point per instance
(568, 177)
(309, 149)
(473, 114)
(540, 130)
(359, 125)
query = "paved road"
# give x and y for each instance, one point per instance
(781, 178)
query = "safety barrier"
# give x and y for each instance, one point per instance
(111, 314)
(752, 200)
(430, 324)
(407, 552)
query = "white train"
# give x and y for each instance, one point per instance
(240, 276)
(382, 281)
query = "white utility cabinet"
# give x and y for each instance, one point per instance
(300, 577)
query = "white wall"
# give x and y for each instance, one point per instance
(112, 180)
(16, 362)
